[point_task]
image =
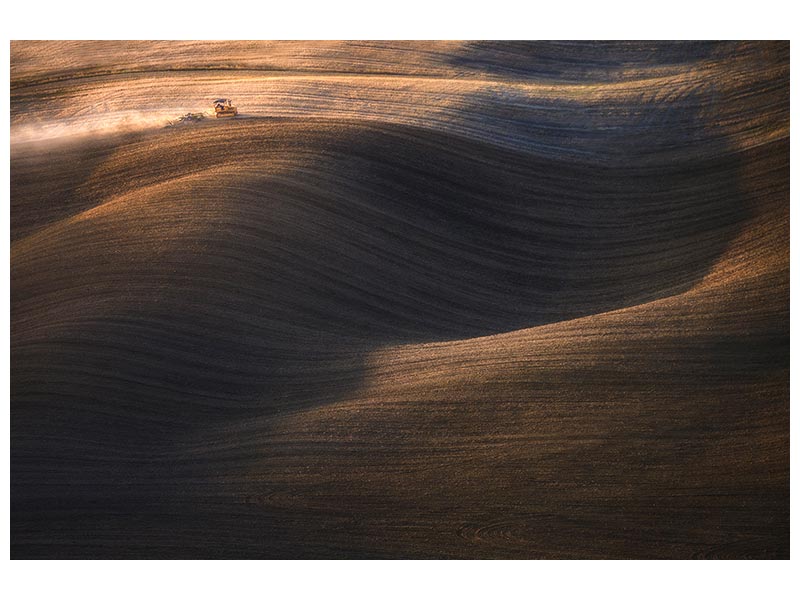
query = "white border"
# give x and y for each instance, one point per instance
(409, 19)
(400, 580)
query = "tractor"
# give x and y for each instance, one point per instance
(223, 108)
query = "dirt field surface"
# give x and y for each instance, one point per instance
(418, 300)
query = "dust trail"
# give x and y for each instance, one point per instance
(77, 127)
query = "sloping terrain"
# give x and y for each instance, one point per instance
(456, 300)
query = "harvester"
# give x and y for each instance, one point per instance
(223, 108)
